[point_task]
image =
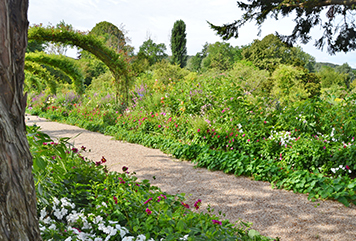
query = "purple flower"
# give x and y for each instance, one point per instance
(124, 168)
(148, 200)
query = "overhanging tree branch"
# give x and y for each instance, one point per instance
(339, 36)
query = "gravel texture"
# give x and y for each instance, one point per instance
(273, 212)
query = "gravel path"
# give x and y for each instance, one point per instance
(273, 212)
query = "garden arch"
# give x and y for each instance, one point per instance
(116, 62)
(63, 63)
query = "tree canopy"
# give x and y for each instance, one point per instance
(178, 43)
(113, 36)
(152, 52)
(339, 33)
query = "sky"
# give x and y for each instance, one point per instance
(155, 19)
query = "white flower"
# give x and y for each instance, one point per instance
(60, 213)
(55, 201)
(123, 230)
(130, 238)
(104, 204)
(47, 220)
(43, 214)
(98, 219)
(184, 238)
(68, 239)
(141, 237)
(53, 226)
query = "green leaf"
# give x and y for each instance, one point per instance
(344, 201)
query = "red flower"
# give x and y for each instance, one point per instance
(347, 167)
(103, 160)
(115, 199)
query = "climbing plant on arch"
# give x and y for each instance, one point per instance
(116, 62)
(62, 63)
(36, 69)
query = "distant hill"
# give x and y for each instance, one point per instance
(318, 65)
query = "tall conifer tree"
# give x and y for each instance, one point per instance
(178, 44)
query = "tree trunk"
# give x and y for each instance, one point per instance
(18, 214)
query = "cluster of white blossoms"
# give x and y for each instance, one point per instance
(345, 168)
(86, 232)
(283, 137)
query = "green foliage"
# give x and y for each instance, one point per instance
(164, 72)
(36, 69)
(32, 83)
(268, 53)
(34, 46)
(152, 52)
(194, 63)
(178, 44)
(221, 56)
(307, 59)
(112, 36)
(251, 79)
(92, 68)
(66, 64)
(288, 85)
(329, 77)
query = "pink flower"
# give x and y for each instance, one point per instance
(197, 204)
(158, 199)
(248, 140)
(324, 147)
(184, 204)
(243, 135)
(198, 130)
(148, 211)
(164, 196)
(115, 199)
(159, 126)
(148, 200)
(347, 167)
(216, 221)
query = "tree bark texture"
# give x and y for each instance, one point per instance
(18, 214)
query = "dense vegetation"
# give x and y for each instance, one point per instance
(264, 110)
